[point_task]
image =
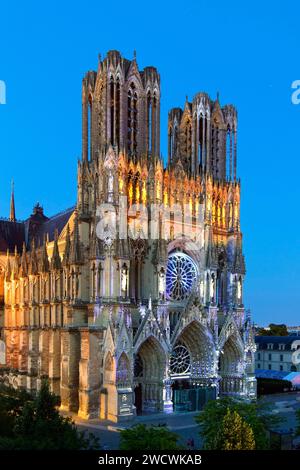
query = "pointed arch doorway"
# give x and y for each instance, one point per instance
(149, 374)
(192, 368)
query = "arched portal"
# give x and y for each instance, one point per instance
(198, 339)
(149, 374)
(231, 367)
(192, 368)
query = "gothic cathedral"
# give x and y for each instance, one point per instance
(132, 300)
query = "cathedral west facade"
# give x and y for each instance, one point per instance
(132, 300)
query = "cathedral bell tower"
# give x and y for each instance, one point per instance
(204, 135)
(120, 107)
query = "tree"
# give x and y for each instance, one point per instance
(11, 405)
(235, 433)
(257, 416)
(35, 423)
(141, 437)
(274, 330)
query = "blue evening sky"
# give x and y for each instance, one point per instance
(248, 51)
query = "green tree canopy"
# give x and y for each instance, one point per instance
(257, 416)
(235, 433)
(142, 437)
(275, 330)
(28, 422)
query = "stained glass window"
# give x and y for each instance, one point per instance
(180, 361)
(180, 277)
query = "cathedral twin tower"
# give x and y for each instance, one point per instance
(121, 107)
(121, 323)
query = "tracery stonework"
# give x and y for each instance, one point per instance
(120, 324)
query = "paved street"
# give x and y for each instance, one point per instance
(108, 433)
(283, 405)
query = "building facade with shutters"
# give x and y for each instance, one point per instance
(278, 353)
(132, 300)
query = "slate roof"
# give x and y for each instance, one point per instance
(57, 222)
(263, 341)
(11, 234)
(36, 226)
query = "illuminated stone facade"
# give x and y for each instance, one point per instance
(120, 324)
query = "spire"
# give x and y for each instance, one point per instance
(8, 268)
(66, 256)
(33, 265)
(44, 260)
(55, 261)
(217, 107)
(12, 212)
(24, 266)
(75, 255)
(239, 260)
(15, 269)
(211, 258)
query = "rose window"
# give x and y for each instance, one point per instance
(180, 361)
(180, 277)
